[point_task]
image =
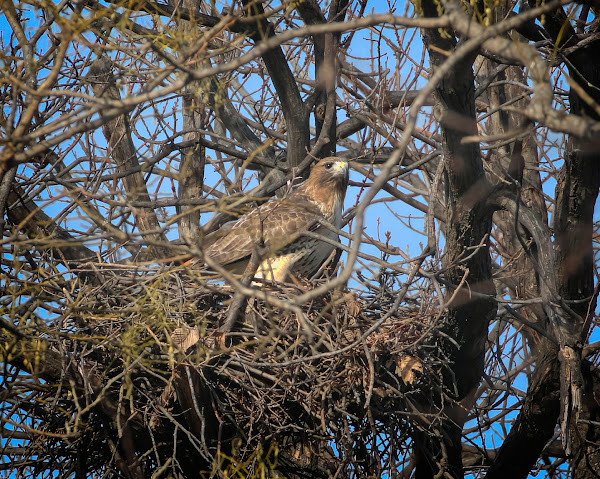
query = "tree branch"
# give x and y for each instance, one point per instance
(118, 135)
(191, 165)
(27, 216)
(468, 224)
(296, 119)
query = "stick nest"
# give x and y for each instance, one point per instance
(318, 386)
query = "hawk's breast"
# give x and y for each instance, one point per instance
(304, 255)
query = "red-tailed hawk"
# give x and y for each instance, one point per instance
(275, 229)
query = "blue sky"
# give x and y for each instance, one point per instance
(406, 224)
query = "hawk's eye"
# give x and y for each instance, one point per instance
(328, 165)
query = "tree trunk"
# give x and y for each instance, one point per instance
(466, 256)
(191, 166)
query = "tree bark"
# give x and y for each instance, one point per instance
(576, 194)
(324, 97)
(191, 165)
(536, 422)
(118, 135)
(466, 257)
(586, 438)
(296, 117)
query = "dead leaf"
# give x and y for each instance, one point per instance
(407, 368)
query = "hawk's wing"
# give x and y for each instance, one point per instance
(274, 225)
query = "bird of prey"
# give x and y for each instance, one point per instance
(277, 230)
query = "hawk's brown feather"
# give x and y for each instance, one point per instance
(276, 228)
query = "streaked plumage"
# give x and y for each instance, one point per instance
(278, 226)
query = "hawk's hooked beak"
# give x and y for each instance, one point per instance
(341, 166)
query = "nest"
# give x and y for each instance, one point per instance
(283, 388)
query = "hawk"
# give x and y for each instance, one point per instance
(277, 229)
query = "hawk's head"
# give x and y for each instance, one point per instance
(330, 172)
(327, 184)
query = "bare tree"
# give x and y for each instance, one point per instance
(455, 330)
